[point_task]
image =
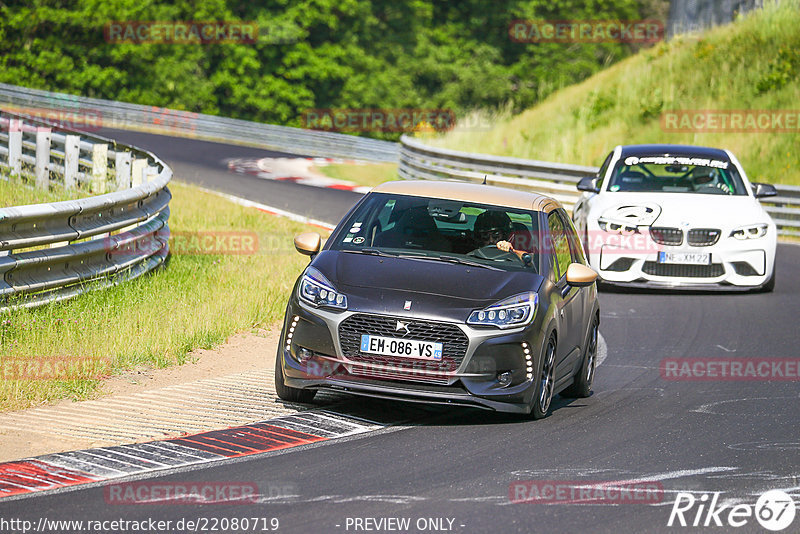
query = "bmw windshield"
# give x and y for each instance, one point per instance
(676, 174)
(451, 231)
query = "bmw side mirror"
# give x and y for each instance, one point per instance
(307, 243)
(589, 184)
(579, 275)
(764, 190)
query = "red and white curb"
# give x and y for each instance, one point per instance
(296, 170)
(62, 470)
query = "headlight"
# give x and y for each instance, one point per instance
(616, 228)
(752, 231)
(509, 313)
(318, 291)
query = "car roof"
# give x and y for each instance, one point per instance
(682, 150)
(470, 192)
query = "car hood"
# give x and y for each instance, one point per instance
(435, 289)
(680, 209)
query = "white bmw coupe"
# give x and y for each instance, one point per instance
(672, 216)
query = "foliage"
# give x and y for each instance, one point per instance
(752, 64)
(309, 54)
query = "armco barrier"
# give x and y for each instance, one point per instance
(110, 114)
(423, 162)
(49, 252)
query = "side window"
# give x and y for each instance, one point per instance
(575, 246)
(560, 242)
(603, 168)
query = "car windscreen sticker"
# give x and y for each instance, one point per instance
(358, 240)
(348, 239)
(677, 160)
(356, 228)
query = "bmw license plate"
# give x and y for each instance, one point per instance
(685, 258)
(406, 348)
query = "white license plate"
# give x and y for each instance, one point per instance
(685, 258)
(406, 348)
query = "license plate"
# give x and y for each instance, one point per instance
(406, 348)
(685, 258)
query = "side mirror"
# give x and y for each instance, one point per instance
(589, 184)
(307, 243)
(579, 275)
(764, 190)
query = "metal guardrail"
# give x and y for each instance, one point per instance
(120, 115)
(423, 162)
(50, 252)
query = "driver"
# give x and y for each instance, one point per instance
(703, 177)
(493, 228)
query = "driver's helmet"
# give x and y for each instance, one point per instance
(703, 175)
(492, 226)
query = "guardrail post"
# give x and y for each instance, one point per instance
(72, 150)
(139, 168)
(15, 146)
(42, 167)
(123, 165)
(99, 168)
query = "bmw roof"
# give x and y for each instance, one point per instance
(682, 150)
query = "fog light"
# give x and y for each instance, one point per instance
(504, 379)
(303, 354)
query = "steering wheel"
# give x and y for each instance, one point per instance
(491, 252)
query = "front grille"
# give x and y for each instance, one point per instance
(666, 236)
(685, 271)
(454, 346)
(703, 237)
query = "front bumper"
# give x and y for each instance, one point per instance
(734, 266)
(313, 358)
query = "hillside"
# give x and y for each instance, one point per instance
(753, 64)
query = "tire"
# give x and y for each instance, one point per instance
(582, 386)
(285, 392)
(769, 287)
(545, 382)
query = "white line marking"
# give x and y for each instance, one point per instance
(269, 209)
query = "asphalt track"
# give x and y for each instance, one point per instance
(204, 163)
(739, 438)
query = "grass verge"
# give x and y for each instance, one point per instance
(197, 301)
(19, 192)
(369, 174)
(753, 64)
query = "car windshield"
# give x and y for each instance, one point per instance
(676, 174)
(432, 229)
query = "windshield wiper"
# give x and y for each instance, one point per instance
(453, 259)
(449, 259)
(371, 251)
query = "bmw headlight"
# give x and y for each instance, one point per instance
(752, 231)
(508, 313)
(318, 291)
(616, 228)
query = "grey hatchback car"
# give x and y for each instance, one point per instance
(444, 292)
